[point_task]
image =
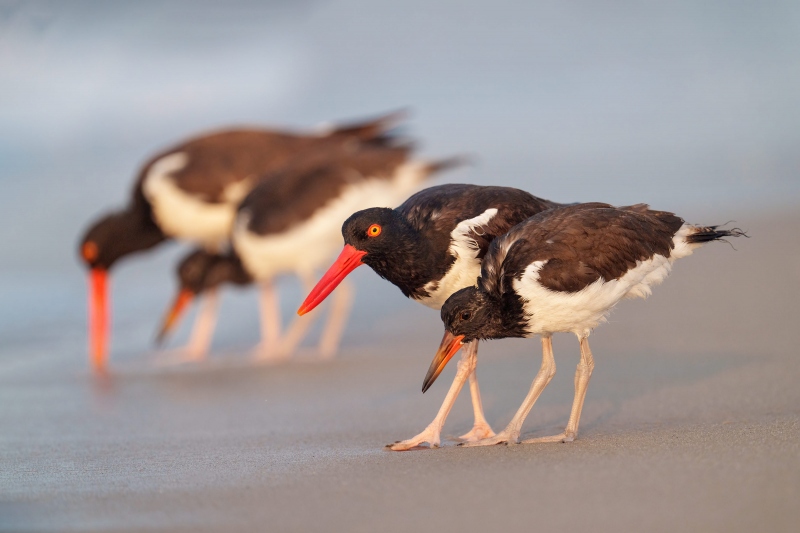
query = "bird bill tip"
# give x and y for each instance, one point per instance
(173, 315)
(447, 349)
(348, 260)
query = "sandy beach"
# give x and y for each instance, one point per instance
(692, 423)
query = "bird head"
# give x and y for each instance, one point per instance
(198, 272)
(469, 315)
(107, 240)
(370, 238)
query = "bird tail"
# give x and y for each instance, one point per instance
(410, 175)
(440, 165)
(689, 237)
(703, 234)
(368, 130)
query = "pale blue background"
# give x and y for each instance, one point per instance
(690, 106)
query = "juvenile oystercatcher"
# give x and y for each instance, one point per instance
(191, 192)
(288, 224)
(430, 247)
(563, 271)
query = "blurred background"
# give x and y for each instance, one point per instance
(689, 106)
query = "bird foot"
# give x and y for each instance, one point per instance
(504, 437)
(431, 435)
(481, 430)
(561, 437)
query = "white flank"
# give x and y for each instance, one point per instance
(311, 244)
(186, 216)
(580, 312)
(466, 269)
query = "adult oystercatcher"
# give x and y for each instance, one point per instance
(430, 247)
(191, 192)
(288, 224)
(563, 271)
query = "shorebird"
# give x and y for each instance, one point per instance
(288, 225)
(430, 247)
(563, 271)
(191, 192)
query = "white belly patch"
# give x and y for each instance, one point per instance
(185, 216)
(579, 312)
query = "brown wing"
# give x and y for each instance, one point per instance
(579, 245)
(436, 211)
(220, 159)
(293, 194)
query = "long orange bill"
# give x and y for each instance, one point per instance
(348, 260)
(447, 349)
(98, 318)
(174, 314)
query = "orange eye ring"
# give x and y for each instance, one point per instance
(89, 251)
(374, 230)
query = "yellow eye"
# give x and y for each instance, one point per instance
(374, 230)
(89, 251)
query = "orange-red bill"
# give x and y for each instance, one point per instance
(447, 349)
(174, 314)
(98, 318)
(348, 260)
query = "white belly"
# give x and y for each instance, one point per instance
(310, 245)
(185, 216)
(580, 312)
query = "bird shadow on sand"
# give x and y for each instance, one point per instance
(625, 390)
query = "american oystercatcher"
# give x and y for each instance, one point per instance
(288, 224)
(563, 271)
(430, 247)
(191, 192)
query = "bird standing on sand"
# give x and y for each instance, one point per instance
(430, 247)
(563, 271)
(288, 224)
(191, 192)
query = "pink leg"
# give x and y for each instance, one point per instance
(270, 322)
(432, 433)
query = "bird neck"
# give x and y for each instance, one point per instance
(235, 271)
(126, 232)
(145, 233)
(410, 264)
(505, 316)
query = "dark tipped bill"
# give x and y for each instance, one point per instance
(174, 314)
(447, 349)
(98, 318)
(348, 260)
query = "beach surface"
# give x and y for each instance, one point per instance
(691, 423)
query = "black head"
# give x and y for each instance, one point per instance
(117, 235)
(113, 236)
(200, 271)
(477, 314)
(380, 232)
(471, 313)
(372, 230)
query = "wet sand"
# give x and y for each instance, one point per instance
(691, 423)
